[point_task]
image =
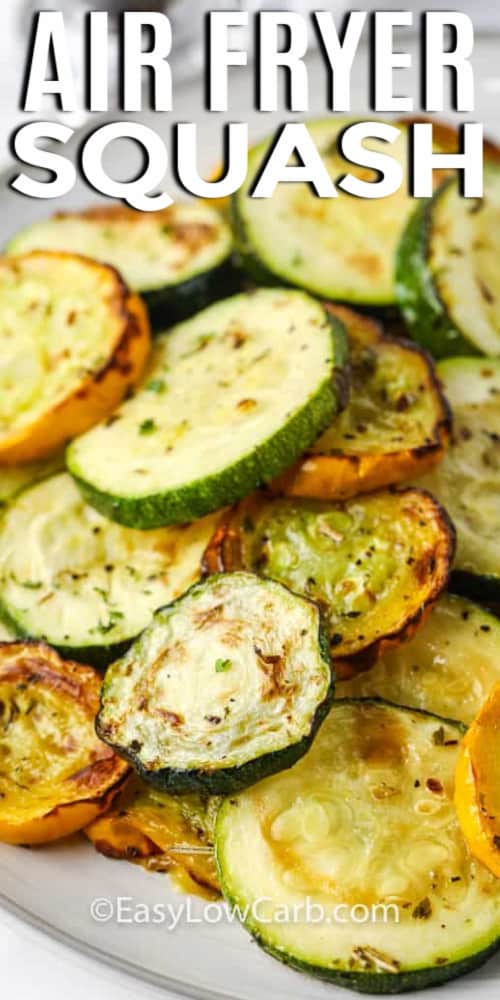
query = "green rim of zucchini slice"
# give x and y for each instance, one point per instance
(365, 820)
(82, 583)
(6, 634)
(179, 259)
(467, 481)
(449, 666)
(229, 684)
(14, 478)
(233, 396)
(447, 271)
(340, 248)
(373, 564)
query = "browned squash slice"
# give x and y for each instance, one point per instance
(73, 340)
(172, 834)
(396, 424)
(55, 774)
(375, 565)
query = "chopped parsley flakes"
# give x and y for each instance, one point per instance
(221, 666)
(148, 426)
(157, 385)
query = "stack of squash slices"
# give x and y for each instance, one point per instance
(251, 495)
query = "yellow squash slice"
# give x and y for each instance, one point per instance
(395, 425)
(167, 833)
(375, 564)
(73, 340)
(448, 667)
(55, 774)
(477, 785)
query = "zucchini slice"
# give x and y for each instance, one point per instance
(229, 684)
(467, 481)
(56, 775)
(396, 423)
(340, 248)
(177, 259)
(73, 341)
(366, 820)
(447, 270)
(448, 667)
(477, 792)
(82, 583)
(163, 833)
(233, 397)
(375, 565)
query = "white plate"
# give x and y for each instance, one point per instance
(53, 887)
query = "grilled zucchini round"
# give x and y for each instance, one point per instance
(179, 259)
(467, 481)
(232, 398)
(448, 667)
(352, 866)
(339, 248)
(395, 425)
(375, 564)
(73, 341)
(56, 775)
(447, 270)
(83, 583)
(228, 684)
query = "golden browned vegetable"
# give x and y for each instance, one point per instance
(447, 668)
(477, 788)
(162, 832)
(73, 340)
(55, 774)
(375, 564)
(396, 423)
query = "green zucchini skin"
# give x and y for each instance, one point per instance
(480, 588)
(199, 498)
(385, 983)
(175, 303)
(247, 259)
(98, 656)
(232, 779)
(418, 299)
(258, 467)
(228, 781)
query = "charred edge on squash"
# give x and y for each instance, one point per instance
(366, 658)
(132, 313)
(224, 554)
(43, 665)
(441, 430)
